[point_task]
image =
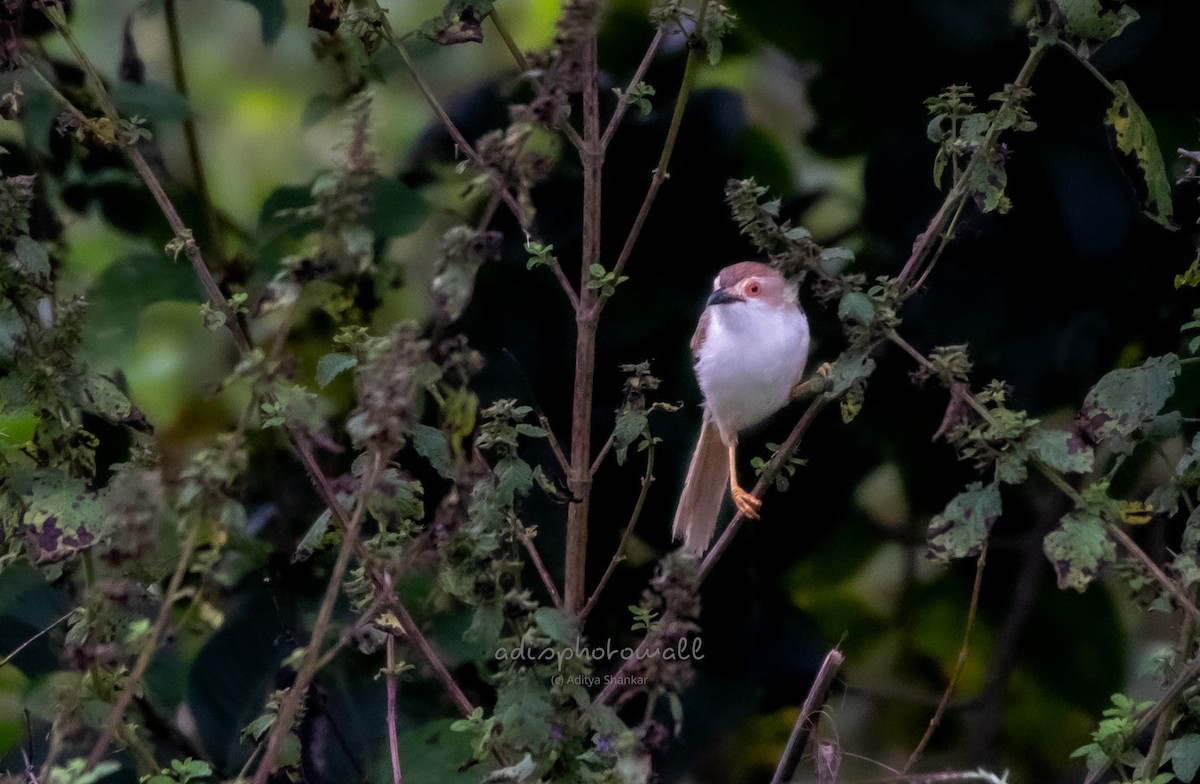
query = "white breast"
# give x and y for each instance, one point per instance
(753, 354)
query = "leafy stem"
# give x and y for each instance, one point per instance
(619, 554)
(149, 646)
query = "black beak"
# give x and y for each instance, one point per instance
(723, 297)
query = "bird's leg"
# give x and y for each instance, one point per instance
(747, 504)
(816, 383)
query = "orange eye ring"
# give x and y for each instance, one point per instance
(753, 288)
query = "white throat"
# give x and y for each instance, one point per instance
(752, 356)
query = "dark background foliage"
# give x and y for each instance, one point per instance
(1072, 282)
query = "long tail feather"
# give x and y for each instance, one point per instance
(703, 491)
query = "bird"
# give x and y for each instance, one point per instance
(749, 350)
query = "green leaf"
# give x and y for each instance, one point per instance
(487, 622)
(32, 258)
(313, 536)
(431, 444)
(848, 372)
(1078, 548)
(988, 180)
(461, 22)
(62, 516)
(524, 710)
(330, 365)
(256, 728)
(856, 306)
(556, 625)
(1184, 754)
(396, 209)
(1095, 21)
(629, 426)
(272, 15)
(1126, 401)
(1135, 141)
(102, 397)
(834, 260)
(156, 102)
(513, 477)
(1062, 451)
(960, 530)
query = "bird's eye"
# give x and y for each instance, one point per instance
(753, 288)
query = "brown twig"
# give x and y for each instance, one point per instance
(539, 565)
(393, 748)
(786, 450)
(413, 632)
(461, 142)
(55, 15)
(710, 559)
(1118, 533)
(802, 727)
(638, 75)
(307, 669)
(191, 138)
(34, 638)
(660, 174)
(961, 188)
(149, 646)
(618, 556)
(1185, 679)
(579, 479)
(936, 719)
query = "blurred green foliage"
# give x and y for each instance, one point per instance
(1062, 273)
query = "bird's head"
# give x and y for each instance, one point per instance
(751, 283)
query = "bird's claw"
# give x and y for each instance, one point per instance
(816, 383)
(747, 504)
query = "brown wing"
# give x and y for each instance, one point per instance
(699, 335)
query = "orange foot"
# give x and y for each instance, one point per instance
(747, 504)
(815, 383)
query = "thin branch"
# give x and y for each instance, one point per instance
(191, 138)
(555, 447)
(461, 142)
(768, 476)
(802, 727)
(603, 453)
(961, 188)
(1131, 547)
(116, 713)
(660, 174)
(34, 638)
(638, 75)
(1058, 481)
(936, 719)
(413, 632)
(55, 15)
(393, 747)
(772, 468)
(618, 556)
(1185, 679)
(539, 565)
(307, 670)
(523, 64)
(509, 41)
(1166, 719)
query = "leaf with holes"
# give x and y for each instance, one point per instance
(1064, 452)
(963, 526)
(1127, 401)
(1137, 149)
(1078, 549)
(1093, 22)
